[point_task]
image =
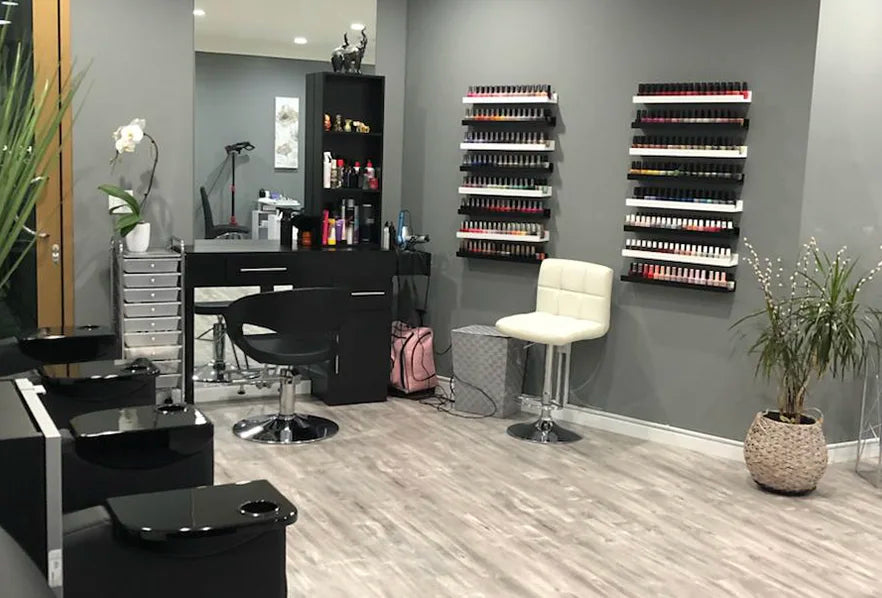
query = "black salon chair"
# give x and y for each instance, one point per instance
(305, 325)
(219, 231)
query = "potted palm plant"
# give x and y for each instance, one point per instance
(130, 214)
(812, 324)
(29, 147)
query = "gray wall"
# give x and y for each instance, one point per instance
(670, 356)
(235, 99)
(843, 205)
(140, 61)
(391, 48)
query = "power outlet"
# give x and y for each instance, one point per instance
(112, 202)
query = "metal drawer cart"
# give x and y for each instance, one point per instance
(148, 313)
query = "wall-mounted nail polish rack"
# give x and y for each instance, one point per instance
(510, 94)
(694, 199)
(701, 279)
(504, 186)
(511, 232)
(508, 144)
(688, 200)
(514, 141)
(509, 116)
(507, 163)
(501, 251)
(682, 253)
(687, 147)
(691, 118)
(700, 92)
(493, 207)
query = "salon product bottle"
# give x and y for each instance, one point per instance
(286, 229)
(366, 228)
(324, 227)
(332, 232)
(327, 162)
(357, 176)
(339, 178)
(385, 242)
(368, 176)
(341, 230)
(375, 182)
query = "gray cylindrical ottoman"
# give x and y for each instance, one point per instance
(485, 359)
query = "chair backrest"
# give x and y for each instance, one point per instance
(206, 213)
(300, 313)
(575, 289)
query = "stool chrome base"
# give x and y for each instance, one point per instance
(543, 431)
(285, 429)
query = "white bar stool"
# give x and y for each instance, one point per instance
(572, 304)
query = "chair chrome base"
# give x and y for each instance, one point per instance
(543, 431)
(210, 374)
(285, 429)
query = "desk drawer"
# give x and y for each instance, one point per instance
(154, 353)
(142, 266)
(149, 339)
(151, 295)
(268, 269)
(151, 324)
(136, 281)
(151, 310)
(370, 298)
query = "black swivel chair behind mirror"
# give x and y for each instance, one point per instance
(305, 325)
(219, 231)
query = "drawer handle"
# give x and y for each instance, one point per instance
(152, 295)
(368, 293)
(152, 310)
(152, 265)
(268, 269)
(152, 280)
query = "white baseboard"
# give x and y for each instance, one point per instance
(708, 444)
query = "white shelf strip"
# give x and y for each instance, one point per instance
(544, 192)
(504, 237)
(726, 262)
(688, 153)
(548, 146)
(686, 206)
(695, 99)
(510, 99)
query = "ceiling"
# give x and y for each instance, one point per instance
(268, 27)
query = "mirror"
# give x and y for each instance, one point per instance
(252, 59)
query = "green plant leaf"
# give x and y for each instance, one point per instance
(124, 195)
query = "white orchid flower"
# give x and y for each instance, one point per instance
(127, 138)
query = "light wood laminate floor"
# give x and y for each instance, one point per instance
(406, 502)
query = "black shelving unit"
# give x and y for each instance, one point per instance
(698, 234)
(679, 285)
(682, 135)
(499, 258)
(356, 97)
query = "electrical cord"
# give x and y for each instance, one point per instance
(445, 404)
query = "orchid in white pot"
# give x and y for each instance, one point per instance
(130, 214)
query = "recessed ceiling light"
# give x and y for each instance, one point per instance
(4, 22)
(198, 12)
(357, 26)
(9, 3)
(299, 40)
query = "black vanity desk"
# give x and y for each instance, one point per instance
(367, 272)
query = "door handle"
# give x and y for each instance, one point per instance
(268, 269)
(56, 253)
(367, 293)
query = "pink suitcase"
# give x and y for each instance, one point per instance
(413, 360)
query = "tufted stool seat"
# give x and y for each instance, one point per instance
(572, 304)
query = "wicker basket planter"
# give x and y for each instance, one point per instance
(785, 458)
